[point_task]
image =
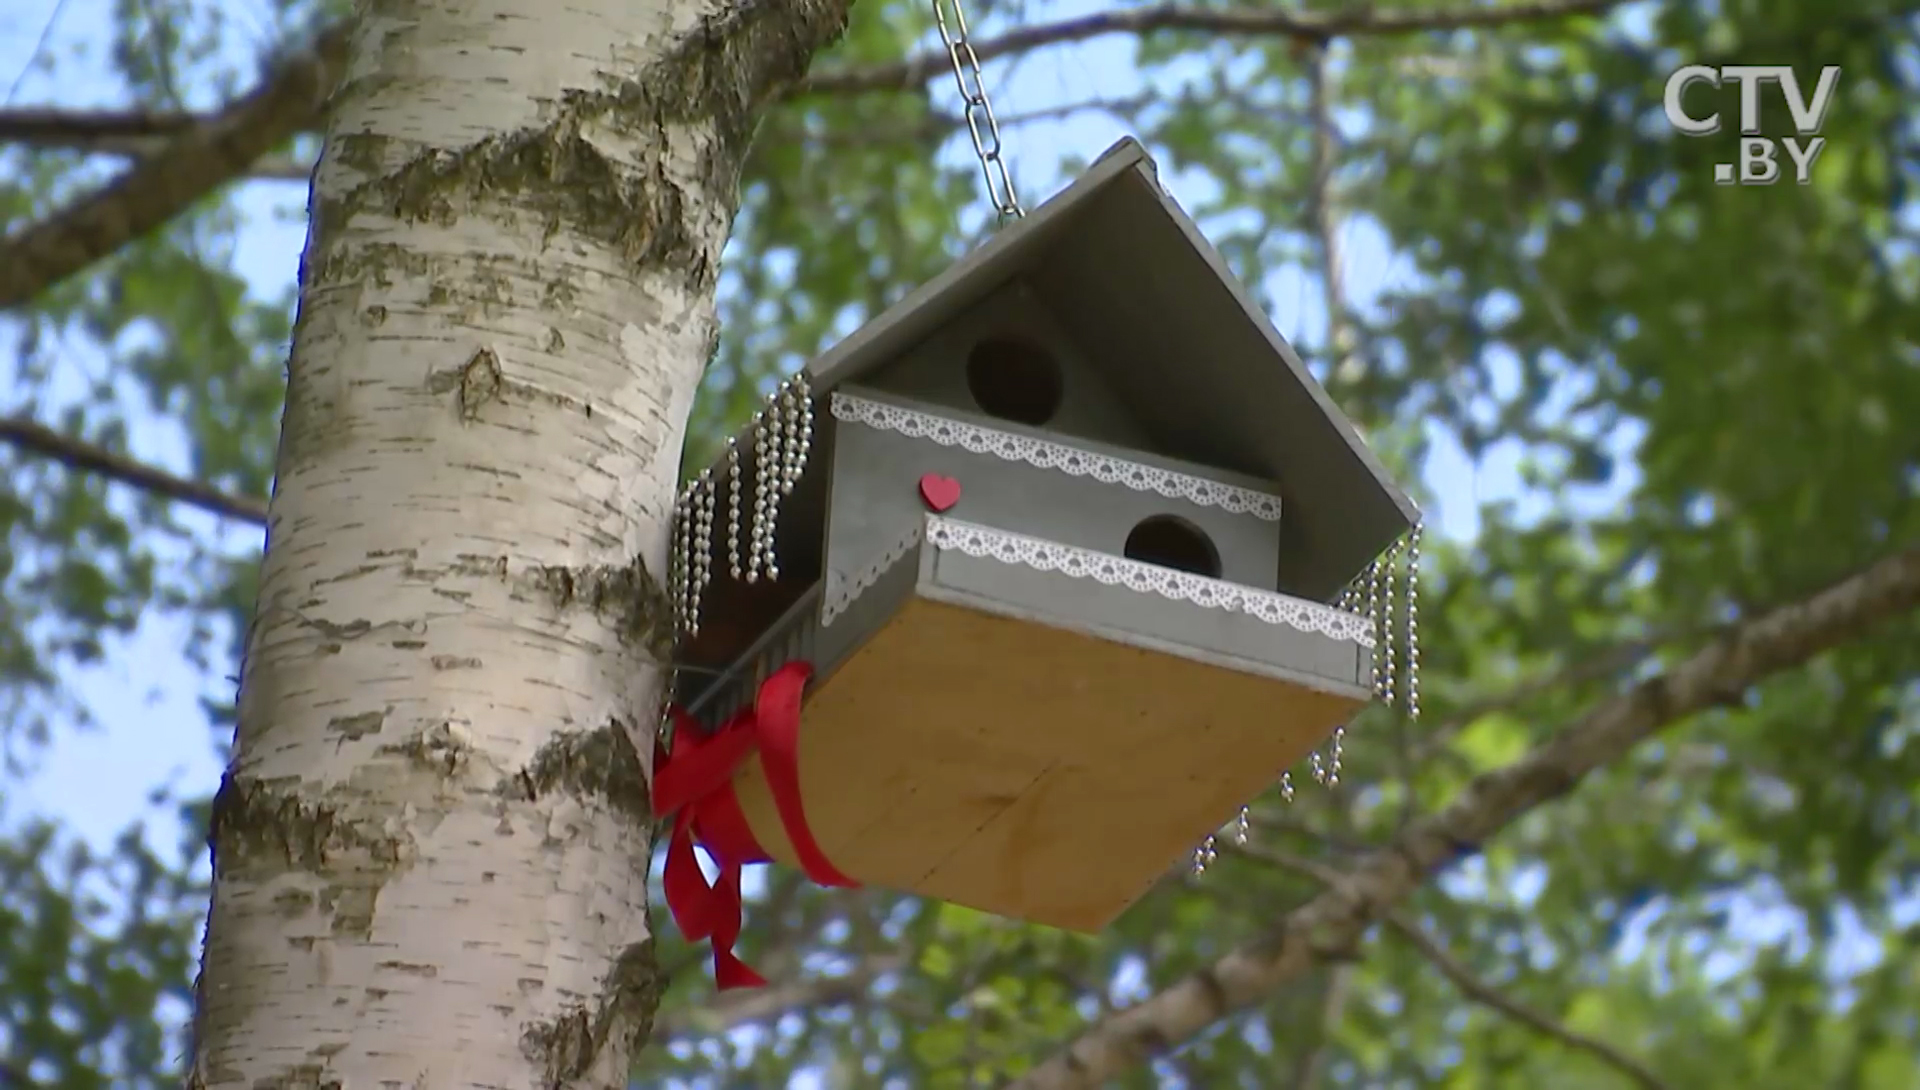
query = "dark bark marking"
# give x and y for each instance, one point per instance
(1557, 781)
(302, 1076)
(566, 1047)
(293, 903)
(595, 764)
(629, 596)
(1213, 990)
(720, 74)
(355, 727)
(1151, 1040)
(436, 749)
(351, 906)
(480, 381)
(258, 823)
(351, 630)
(410, 968)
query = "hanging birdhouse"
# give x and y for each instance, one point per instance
(1046, 560)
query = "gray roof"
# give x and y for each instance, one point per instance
(1196, 360)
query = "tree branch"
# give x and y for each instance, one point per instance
(1315, 28)
(1487, 995)
(1599, 665)
(134, 135)
(92, 129)
(159, 187)
(1331, 923)
(61, 128)
(27, 435)
(1463, 978)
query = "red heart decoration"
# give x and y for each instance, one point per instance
(939, 492)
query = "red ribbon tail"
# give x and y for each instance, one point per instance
(729, 971)
(689, 898)
(777, 722)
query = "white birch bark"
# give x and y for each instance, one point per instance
(430, 847)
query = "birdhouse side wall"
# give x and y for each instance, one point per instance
(1221, 637)
(936, 370)
(877, 502)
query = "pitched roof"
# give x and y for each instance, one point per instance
(1196, 360)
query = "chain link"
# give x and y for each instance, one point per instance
(952, 20)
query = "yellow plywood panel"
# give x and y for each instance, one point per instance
(1031, 771)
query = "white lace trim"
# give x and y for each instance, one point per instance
(842, 590)
(1050, 455)
(1051, 556)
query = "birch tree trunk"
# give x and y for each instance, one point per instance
(430, 848)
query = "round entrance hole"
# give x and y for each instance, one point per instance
(1014, 379)
(1175, 543)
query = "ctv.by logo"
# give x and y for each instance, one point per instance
(1759, 155)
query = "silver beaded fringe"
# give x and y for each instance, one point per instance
(780, 436)
(1395, 682)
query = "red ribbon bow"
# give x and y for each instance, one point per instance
(693, 781)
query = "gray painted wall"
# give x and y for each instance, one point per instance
(935, 370)
(876, 499)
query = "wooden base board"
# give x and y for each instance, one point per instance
(1033, 772)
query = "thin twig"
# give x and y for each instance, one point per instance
(938, 125)
(44, 441)
(1487, 995)
(39, 49)
(1463, 978)
(1309, 28)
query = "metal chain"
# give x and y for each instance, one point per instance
(952, 20)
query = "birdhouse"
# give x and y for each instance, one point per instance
(1056, 544)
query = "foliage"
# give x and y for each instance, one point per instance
(1710, 390)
